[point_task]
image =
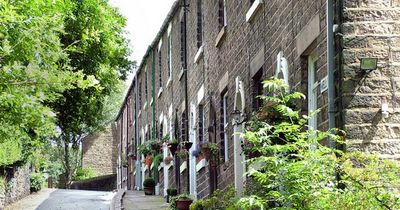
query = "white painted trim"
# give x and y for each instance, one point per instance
(169, 29)
(145, 106)
(159, 44)
(312, 91)
(169, 81)
(200, 94)
(202, 163)
(151, 102)
(152, 165)
(159, 92)
(199, 54)
(160, 166)
(183, 167)
(253, 9)
(169, 165)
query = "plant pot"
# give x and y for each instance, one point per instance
(173, 147)
(183, 205)
(187, 145)
(148, 190)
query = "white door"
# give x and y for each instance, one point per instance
(192, 160)
(312, 90)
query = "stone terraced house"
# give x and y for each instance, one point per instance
(200, 77)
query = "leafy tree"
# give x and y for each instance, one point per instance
(34, 70)
(94, 34)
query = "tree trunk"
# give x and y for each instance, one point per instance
(68, 175)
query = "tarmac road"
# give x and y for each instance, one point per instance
(57, 199)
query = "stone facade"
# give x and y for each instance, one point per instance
(241, 44)
(16, 185)
(372, 29)
(99, 152)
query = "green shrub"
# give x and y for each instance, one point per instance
(37, 181)
(149, 182)
(295, 171)
(83, 174)
(220, 199)
(172, 191)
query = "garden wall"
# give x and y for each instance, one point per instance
(16, 185)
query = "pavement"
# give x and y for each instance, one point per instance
(136, 200)
(57, 199)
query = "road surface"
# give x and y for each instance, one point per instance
(55, 199)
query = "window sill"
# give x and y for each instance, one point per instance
(181, 73)
(199, 54)
(183, 167)
(169, 81)
(253, 10)
(151, 102)
(160, 166)
(169, 165)
(220, 37)
(200, 165)
(159, 92)
(145, 106)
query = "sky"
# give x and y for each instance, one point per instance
(144, 19)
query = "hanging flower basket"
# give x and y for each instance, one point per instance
(173, 146)
(168, 160)
(187, 145)
(210, 151)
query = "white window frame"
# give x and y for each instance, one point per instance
(170, 52)
(226, 124)
(312, 91)
(225, 15)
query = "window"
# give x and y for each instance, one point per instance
(145, 85)
(312, 90)
(140, 95)
(169, 52)
(160, 66)
(222, 19)
(199, 24)
(201, 124)
(183, 126)
(257, 89)
(224, 127)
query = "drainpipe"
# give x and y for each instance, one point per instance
(186, 87)
(330, 69)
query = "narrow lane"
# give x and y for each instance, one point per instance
(50, 199)
(136, 200)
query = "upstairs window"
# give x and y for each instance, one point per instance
(169, 51)
(222, 17)
(224, 127)
(257, 89)
(201, 122)
(160, 65)
(199, 24)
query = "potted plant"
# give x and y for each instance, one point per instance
(157, 160)
(155, 146)
(167, 160)
(173, 146)
(144, 149)
(171, 192)
(149, 185)
(183, 201)
(124, 163)
(210, 150)
(148, 160)
(182, 154)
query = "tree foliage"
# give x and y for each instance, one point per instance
(296, 170)
(34, 70)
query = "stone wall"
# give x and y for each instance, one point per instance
(372, 29)
(100, 183)
(16, 186)
(100, 152)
